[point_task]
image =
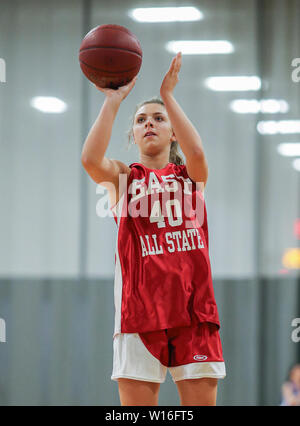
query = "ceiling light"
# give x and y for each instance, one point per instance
(48, 104)
(166, 14)
(289, 149)
(200, 47)
(281, 127)
(273, 106)
(296, 164)
(241, 83)
(253, 106)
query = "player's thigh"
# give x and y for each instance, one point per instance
(138, 392)
(198, 391)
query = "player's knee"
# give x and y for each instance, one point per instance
(197, 391)
(138, 392)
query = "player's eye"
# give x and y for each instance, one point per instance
(139, 120)
(159, 118)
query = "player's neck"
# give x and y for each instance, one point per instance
(154, 163)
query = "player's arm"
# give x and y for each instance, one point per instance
(186, 134)
(189, 141)
(99, 167)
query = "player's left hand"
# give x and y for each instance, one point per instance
(171, 78)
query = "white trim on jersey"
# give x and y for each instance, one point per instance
(118, 282)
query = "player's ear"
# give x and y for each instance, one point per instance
(131, 135)
(173, 137)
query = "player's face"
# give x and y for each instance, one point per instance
(152, 127)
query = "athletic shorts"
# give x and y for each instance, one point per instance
(188, 352)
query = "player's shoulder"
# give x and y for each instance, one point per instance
(122, 167)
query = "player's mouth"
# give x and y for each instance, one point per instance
(148, 134)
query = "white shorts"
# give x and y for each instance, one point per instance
(132, 360)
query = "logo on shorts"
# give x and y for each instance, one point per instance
(200, 357)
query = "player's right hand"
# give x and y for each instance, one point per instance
(120, 93)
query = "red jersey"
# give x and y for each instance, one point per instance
(162, 266)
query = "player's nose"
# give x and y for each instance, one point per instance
(148, 123)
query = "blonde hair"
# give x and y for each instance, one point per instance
(174, 156)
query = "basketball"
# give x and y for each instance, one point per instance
(110, 56)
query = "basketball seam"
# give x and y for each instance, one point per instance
(107, 71)
(109, 47)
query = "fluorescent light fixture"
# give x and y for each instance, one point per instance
(296, 164)
(278, 127)
(200, 47)
(253, 106)
(289, 149)
(166, 14)
(241, 83)
(48, 104)
(273, 106)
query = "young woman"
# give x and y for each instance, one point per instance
(165, 311)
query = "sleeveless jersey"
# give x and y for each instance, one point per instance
(162, 266)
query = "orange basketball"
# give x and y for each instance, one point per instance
(110, 56)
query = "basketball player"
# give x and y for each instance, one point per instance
(165, 311)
